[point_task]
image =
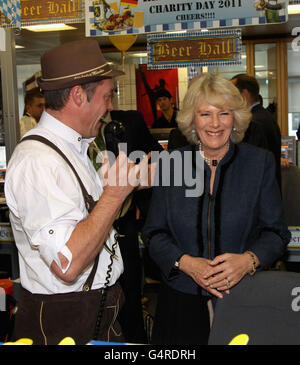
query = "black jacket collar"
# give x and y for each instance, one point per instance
(225, 160)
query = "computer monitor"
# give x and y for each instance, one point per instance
(289, 149)
(163, 143)
(161, 135)
(2, 169)
(2, 158)
(2, 166)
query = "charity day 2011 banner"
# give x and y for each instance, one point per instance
(106, 17)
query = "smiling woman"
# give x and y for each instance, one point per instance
(213, 126)
(220, 94)
(205, 245)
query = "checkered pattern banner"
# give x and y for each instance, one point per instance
(11, 9)
(162, 16)
(193, 71)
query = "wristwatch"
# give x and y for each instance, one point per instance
(176, 263)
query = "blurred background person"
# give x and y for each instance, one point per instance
(263, 130)
(34, 105)
(169, 112)
(134, 132)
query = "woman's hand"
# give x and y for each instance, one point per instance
(227, 270)
(196, 267)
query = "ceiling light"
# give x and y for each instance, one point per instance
(176, 31)
(48, 27)
(139, 54)
(294, 9)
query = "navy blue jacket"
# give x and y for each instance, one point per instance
(243, 213)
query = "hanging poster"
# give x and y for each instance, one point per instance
(218, 47)
(44, 11)
(12, 13)
(105, 17)
(148, 83)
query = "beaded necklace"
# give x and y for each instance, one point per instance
(210, 161)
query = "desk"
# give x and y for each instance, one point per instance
(291, 195)
(291, 207)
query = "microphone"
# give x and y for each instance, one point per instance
(114, 133)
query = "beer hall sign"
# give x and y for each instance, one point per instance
(45, 10)
(219, 47)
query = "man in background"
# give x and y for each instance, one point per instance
(34, 106)
(129, 222)
(263, 130)
(169, 113)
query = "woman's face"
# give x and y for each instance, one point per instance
(213, 126)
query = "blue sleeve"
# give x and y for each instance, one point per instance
(274, 235)
(157, 235)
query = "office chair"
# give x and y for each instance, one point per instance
(264, 307)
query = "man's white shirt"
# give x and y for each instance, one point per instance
(46, 203)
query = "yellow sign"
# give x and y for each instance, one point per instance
(295, 239)
(32, 10)
(241, 339)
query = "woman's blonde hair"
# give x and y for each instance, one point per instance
(219, 92)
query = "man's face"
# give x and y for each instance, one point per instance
(245, 93)
(97, 107)
(36, 108)
(164, 103)
(234, 81)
